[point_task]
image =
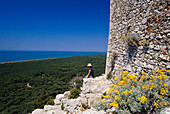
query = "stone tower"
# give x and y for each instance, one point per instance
(139, 36)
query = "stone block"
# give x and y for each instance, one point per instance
(39, 111)
(52, 107)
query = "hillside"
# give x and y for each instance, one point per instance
(26, 86)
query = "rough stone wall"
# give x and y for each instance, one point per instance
(148, 21)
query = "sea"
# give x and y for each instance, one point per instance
(12, 56)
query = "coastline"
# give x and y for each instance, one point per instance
(35, 60)
(43, 59)
(30, 60)
(26, 56)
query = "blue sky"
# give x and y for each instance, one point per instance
(54, 25)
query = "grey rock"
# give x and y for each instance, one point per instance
(39, 111)
(139, 69)
(166, 31)
(56, 112)
(165, 110)
(136, 29)
(157, 48)
(58, 99)
(52, 107)
(129, 68)
(66, 94)
(158, 36)
(151, 46)
(150, 66)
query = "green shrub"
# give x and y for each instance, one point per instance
(85, 106)
(132, 39)
(50, 102)
(147, 94)
(99, 105)
(109, 76)
(62, 106)
(76, 82)
(74, 93)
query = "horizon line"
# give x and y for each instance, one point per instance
(55, 50)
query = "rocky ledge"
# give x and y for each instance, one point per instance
(91, 91)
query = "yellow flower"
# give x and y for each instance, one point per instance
(152, 78)
(123, 37)
(117, 92)
(130, 91)
(102, 100)
(160, 83)
(159, 77)
(162, 92)
(123, 75)
(114, 104)
(143, 99)
(155, 104)
(112, 89)
(125, 92)
(164, 77)
(153, 72)
(158, 71)
(152, 87)
(164, 85)
(116, 78)
(140, 43)
(146, 75)
(105, 96)
(162, 73)
(124, 78)
(161, 96)
(165, 103)
(166, 91)
(136, 73)
(113, 86)
(143, 73)
(120, 82)
(117, 98)
(142, 78)
(118, 87)
(125, 72)
(126, 82)
(169, 70)
(132, 86)
(163, 70)
(145, 86)
(162, 103)
(128, 76)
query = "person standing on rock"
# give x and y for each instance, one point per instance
(91, 72)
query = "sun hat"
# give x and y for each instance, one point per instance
(89, 64)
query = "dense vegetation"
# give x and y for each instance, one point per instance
(46, 78)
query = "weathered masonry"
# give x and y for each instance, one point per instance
(139, 35)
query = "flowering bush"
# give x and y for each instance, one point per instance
(139, 93)
(131, 39)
